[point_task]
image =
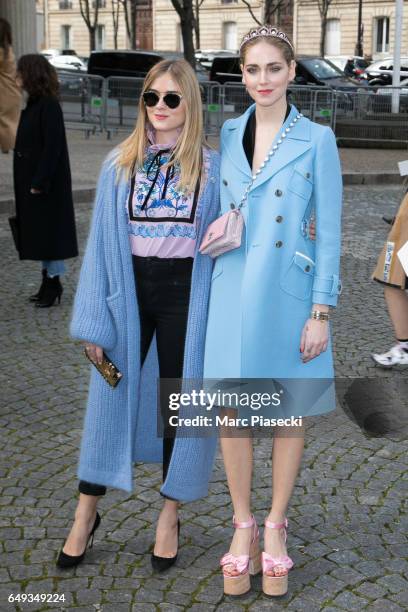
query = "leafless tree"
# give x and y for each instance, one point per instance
(89, 11)
(185, 11)
(115, 10)
(272, 10)
(197, 5)
(129, 10)
(324, 6)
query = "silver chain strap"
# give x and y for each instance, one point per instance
(267, 158)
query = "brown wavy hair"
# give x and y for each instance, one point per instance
(38, 75)
(5, 36)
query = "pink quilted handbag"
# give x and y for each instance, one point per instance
(223, 234)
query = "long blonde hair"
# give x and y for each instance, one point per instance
(188, 149)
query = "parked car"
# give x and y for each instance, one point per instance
(68, 62)
(206, 56)
(310, 70)
(122, 63)
(353, 66)
(132, 63)
(380, 72)
(54, 52)
(72, 84)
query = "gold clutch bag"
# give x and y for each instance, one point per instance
(108, 369)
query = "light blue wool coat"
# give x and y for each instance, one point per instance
(262, 292)
(120, 424)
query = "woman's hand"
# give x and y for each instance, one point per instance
(36, 191)
(314, 339)
(95, 353)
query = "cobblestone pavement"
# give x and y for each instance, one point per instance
(348, 529)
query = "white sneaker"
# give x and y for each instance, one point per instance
(395, 356)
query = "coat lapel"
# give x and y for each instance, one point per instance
(294, 145)
(233, 142)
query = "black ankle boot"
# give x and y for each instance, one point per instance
(52, 291)
(37, 296)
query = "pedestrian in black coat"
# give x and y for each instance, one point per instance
(42, 179)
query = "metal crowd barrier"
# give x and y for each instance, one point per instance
(368, 116)
(121, 103)
(317, 103)
(110, 105)
(83, 99)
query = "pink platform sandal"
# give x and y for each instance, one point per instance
(245, 565)
(275, 569)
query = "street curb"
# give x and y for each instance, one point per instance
(87, 194)
(355, 178)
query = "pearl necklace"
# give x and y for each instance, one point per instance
(268, 157)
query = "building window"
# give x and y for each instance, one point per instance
(333, 35)
(229, 1)
(100, 37)
(229, 35)
(381, 34)
(65, 5)
(66, 37)
(100, 3)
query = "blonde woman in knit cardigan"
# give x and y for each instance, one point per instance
(10, 92)
(142, 298)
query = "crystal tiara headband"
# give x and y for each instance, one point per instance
(266, 31)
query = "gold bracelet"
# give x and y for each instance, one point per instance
(319, 315)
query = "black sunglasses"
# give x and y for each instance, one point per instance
(172, 100)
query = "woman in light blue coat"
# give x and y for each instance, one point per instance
(270, 298)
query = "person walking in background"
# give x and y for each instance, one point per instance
(42, 179)
(10, 92)
(142, 297)
(269, 303)
(390, 273)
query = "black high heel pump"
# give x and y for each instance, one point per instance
(65, 560)
(160, 564)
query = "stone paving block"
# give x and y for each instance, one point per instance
(148, 595)
(349, 601)
(140, 607)
(174, 598)
(371, 590)
(385, 605)
(121, 596)
(299, 604)
(394, 583)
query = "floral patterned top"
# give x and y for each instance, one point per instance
(163, 220)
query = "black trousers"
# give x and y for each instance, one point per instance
(163, 295)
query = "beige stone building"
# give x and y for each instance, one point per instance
(378, 22)
(222, 24)
(64, 27)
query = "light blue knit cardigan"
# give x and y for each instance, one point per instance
(120, 424)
